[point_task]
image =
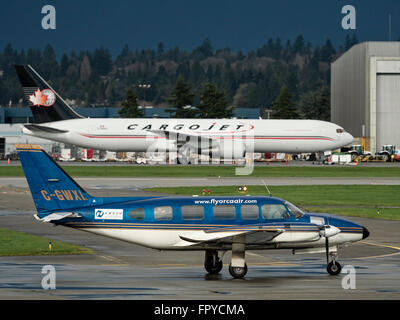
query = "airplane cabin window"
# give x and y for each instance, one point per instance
(192, 212)
(274, 211)
(137, 213)
(224, 212)
(163, 213)
(249, 212)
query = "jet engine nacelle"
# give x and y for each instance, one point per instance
(231, 149)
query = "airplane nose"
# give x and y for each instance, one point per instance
(365, 233)
(348, 138)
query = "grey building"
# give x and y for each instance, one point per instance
(365, 93)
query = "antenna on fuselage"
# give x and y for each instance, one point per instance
(266, 187)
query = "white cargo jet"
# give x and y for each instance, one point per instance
(226, 138)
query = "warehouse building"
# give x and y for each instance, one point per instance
(365, 93)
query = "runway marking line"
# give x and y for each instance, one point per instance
(380, 245)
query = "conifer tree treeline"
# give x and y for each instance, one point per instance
(252, 79)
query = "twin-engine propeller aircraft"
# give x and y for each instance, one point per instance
(222, 138)
(211, 224)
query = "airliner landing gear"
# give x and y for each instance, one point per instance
(212, 263)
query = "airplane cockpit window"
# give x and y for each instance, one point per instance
(274, 211)
(339, 130)
(137, 213)
(163, 213)
(192, 212)
(296, 212)
(249, 212)
(221, 212)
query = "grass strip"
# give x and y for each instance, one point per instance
(370, 201)
(215, 171)
(15, 243)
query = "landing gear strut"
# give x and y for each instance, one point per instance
(333, 266)
(212, 263)
(238, 267)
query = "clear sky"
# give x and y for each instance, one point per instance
(241, 25)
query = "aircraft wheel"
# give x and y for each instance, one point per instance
(213, 269)
(212, 263)
(334, 268)
(238, 272)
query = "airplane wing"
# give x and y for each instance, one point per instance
(183, 138)
(259, 234)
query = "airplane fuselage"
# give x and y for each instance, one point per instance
(178, 223)
(287, 136)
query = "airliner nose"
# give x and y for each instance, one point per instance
(348, 138)
(365, 233)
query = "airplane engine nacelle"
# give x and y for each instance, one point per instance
(232, 149)
(161, 145)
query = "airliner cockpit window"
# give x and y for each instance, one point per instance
(339, 130)
(296, 212)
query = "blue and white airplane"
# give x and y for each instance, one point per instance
(212, 224)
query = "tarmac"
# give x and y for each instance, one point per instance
(120, 270)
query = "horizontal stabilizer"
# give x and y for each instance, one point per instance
(35, 127)
(58, 216)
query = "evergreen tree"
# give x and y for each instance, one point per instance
(327, 51)
(284, 107)
(213, 103)
(130, 106)
(316, 104)
(181, 100)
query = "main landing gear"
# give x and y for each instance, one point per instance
(212, 262)
(237, 267)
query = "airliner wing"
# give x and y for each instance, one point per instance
(254, 235)
(182, 138)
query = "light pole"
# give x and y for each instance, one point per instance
(145, 87)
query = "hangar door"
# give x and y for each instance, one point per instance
(387, 109)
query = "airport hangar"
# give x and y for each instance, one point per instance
(365, 93)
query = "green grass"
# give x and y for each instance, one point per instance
(352, 200)
(215, 171)
(14, 243)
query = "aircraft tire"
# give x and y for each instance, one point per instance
(238, 272)
(213, 269)
(334, 268)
